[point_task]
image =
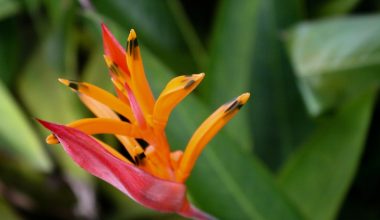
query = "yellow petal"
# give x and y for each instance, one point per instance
(175, 91)
(97, 108)
(206, 132)
(139, 85)
(102, 111)
(92, 126)
(102, 96)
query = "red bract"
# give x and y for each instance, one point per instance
(113, 49)
(144, 188)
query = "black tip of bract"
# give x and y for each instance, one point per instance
(73, 84)
(131, 45)
(233, 106)
(189, 84)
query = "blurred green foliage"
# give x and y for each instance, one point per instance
(305, 147)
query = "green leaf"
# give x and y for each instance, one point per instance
(188, 32)
(335, 58)
(231, 49)
(39, 88)
(238, 187)
(45, 97)
(9, 8)
(278, 117)
(96, 71)
(17, 136)
(317, 177)
(230, 60)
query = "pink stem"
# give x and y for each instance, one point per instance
(190, 211)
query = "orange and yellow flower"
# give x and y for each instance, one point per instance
(152, 175)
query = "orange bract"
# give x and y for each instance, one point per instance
(141, 129)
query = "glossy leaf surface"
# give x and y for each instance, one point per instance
(317, 177)
(333, 64)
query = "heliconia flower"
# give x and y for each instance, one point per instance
(151, 174)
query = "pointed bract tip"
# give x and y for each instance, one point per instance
(199, 76)
(104, 27)
(237, 103)
(51, 139)
(108, 60)
(70, 83)
(105, 34)
(46, 124)
(243, 98)
(193, 79)
(132, 35)
(64, 81)
(40, 121)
